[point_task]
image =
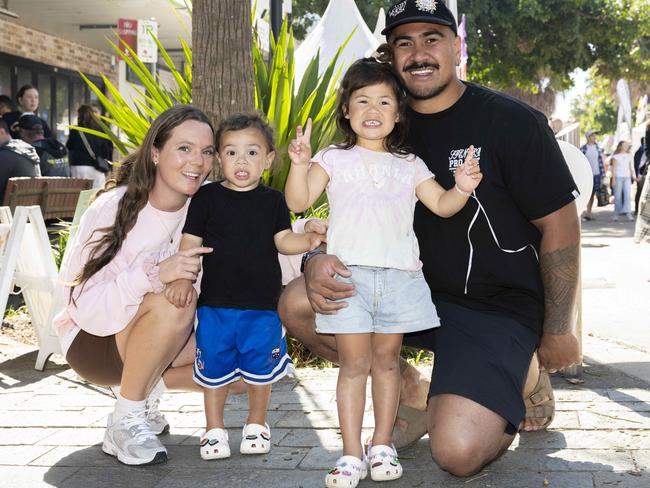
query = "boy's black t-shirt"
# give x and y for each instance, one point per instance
(243, 269)
(525, 178)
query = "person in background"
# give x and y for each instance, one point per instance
(80, 145)
(640, 170)
(622, 173)
(52, 154)
(13, 162)
(594, 155)
(5, 104)
(27, 98)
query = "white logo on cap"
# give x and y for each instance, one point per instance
(427, 5)
(398, 9)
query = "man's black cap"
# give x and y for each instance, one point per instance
(408, 11)
(30, 122)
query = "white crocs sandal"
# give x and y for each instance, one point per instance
(384, 463)
(347, 473)
(214, 445)
(255, 439)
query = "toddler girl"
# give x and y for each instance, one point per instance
(372, 185)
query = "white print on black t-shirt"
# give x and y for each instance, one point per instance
(457, 157)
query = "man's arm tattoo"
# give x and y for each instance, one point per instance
(560, 273)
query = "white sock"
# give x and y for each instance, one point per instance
(158, 389)
(123, 406)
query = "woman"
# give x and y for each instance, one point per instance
(27, 98)
(117, 328)
(622, 167)
(84, 148)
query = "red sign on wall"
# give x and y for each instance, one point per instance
(127, 30)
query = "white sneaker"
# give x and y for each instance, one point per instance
(157, 420)
(130, 439)
(629, 217)
(615, 218)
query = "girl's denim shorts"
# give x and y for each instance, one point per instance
(388, 301)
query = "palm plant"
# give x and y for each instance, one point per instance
(287, 104)
(284, 103)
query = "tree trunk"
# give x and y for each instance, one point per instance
(222, 68)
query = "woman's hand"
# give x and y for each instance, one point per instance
(184, 265)
(300, 148)
(468, 175)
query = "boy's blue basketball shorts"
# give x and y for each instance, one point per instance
(233, 343)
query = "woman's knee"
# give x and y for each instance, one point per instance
(168, 316)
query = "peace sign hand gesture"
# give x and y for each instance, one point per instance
(300, 148)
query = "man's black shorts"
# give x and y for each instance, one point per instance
(482, 356)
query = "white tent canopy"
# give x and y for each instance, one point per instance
(381, 24)
(339, 20)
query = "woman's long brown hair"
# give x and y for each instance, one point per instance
(138, 173)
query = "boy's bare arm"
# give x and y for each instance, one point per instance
(288, 242)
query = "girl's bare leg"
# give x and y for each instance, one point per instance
(355, 359)
(385, 372)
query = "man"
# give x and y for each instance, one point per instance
(17, 158)
(594, 155)
(52, 154)
(496, 300)
(640, 170)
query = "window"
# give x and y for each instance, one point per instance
(62, 113)
(44, 86)
(60, 91)
(5, 82)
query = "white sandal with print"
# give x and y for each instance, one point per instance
(255, 439)
(347, 473)
(384, 463)
(214, 445)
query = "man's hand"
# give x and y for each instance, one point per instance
(558, 351)
(323, 291)
(179, 293)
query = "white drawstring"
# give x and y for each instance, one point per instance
(494, 236)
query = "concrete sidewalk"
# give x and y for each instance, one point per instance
(51, 423)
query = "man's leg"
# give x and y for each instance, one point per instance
(298, 317)
(464, 435)
(476, 398)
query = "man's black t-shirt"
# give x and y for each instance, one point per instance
(243, 269)
(468, 259)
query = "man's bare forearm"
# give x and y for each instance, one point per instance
(560, 275)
